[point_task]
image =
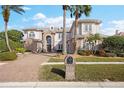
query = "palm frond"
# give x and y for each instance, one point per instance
(17, 9)
(82, 9)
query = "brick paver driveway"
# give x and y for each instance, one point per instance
(24, 69)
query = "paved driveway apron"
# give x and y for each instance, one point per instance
(22, 70)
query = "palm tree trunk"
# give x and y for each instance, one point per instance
(6, 37)
(75, 33)
(64, 30)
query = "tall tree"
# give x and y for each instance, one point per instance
(6, 11)
(77, 11)
(65, 8)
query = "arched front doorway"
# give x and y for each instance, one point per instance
(48, 43)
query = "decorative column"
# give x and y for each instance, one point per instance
(44, 43)
(53, 42)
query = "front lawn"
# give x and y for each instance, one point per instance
(83, 73)
(91, 59)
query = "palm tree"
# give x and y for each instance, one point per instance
(77, 11)
(6, 10)
(65, 8)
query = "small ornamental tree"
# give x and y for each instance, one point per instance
(15, 38)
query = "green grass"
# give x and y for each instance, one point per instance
(91, 59)
(55, 60)
(83, 72)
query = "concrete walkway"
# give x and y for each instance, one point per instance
(24, 69)
(57, 63)
(64, 84)
(2, 64)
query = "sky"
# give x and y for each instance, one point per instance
(39, 16)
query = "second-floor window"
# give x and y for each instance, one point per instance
(88, 27)
(80, 30)
(31, 35)
(60, 35)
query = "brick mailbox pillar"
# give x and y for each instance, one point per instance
(70, 68)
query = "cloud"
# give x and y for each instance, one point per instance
(26, 8)
(108, 31)
(113, 26)
(14, 27)
(119, 24)
(58, 21)
(44, 21)
(39, 16)
(25, 19)
(40, 24)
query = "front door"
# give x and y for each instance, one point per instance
(48, 39)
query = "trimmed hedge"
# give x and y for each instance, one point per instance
(111, 55)
(120, 54)
(7, 56)
(102, 53)
(85, 52)
(13, 45)
(20, 50)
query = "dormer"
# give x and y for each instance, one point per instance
(61, 28)
(51, 27)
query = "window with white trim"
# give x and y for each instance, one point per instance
(31, 35)
(59, 46)
(59, 35)
(88, 27)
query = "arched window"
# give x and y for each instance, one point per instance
(31, 35)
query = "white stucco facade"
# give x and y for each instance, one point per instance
(85, 27)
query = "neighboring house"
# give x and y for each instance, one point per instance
(50, 39)
(119, 33)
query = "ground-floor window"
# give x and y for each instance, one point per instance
(59, 46)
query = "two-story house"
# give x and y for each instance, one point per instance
(50, 39)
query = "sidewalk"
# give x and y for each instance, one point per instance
(57, 63)
(64, 84)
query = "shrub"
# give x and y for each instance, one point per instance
(111, 55)
(102, 53)
(20, 50)
(13, 45)
(85, 52)
(3, 46)
(59, 51)
(114, 44)
(120, 54)
(96, 52)
(6, 56)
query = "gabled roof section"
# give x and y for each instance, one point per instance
(96, 21)
(47, 29)
(33, 29)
